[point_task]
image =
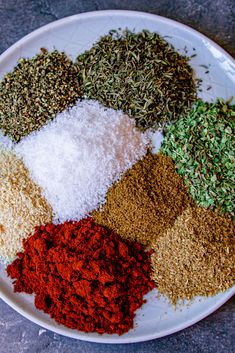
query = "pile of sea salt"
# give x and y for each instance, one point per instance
(5, 142)
(76, 157)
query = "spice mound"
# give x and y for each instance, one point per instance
(76, 157)
(202, 145)
(35, 91)
(139, 73)
(5, 142)
(84, 276)
(196, 256)
(22, 205)
(146, 201)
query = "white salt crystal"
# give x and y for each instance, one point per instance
(76, 157)
(157, 139)
(5, 142)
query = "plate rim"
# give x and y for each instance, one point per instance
(74, 333)
(97, 13)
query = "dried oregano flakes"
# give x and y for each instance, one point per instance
(139, 73)
(35, 91)
(202, 145)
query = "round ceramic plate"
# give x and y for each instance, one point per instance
(73, 35)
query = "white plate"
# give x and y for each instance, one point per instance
(74, 35)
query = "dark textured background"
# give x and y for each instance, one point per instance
(216, 19)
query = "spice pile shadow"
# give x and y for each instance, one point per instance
(71, 269)
(35, 91)
(139, 73)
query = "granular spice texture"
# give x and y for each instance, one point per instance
(22, 206)
(202, 145)
(5, 142)
(76, 157)
(196, 256)
(139, 73)
(35, 91)
(84, 276)
(146, 201)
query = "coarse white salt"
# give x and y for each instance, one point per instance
(5, 142)
(76, 157)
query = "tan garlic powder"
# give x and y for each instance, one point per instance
(22, 206)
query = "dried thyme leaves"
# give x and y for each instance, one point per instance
(196, 256)
(146, 201)
(35, 91)
(139, 73)
(202, 145)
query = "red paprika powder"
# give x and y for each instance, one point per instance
(84, 275)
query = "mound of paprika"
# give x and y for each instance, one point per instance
(84, 275)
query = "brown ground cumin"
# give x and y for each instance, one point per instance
(146, 201)
(196, 256)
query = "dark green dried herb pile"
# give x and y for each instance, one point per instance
(35, 91)
(139, 73)
(202, 144)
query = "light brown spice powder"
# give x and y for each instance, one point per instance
(196, 256)
(146, 201)
(22, 206)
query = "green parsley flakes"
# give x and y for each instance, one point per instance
(202, 145)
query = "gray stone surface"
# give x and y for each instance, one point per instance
(216, 19)
(215, 334)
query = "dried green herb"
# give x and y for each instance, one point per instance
(139, 73)
(35, 91)
(202, 144)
